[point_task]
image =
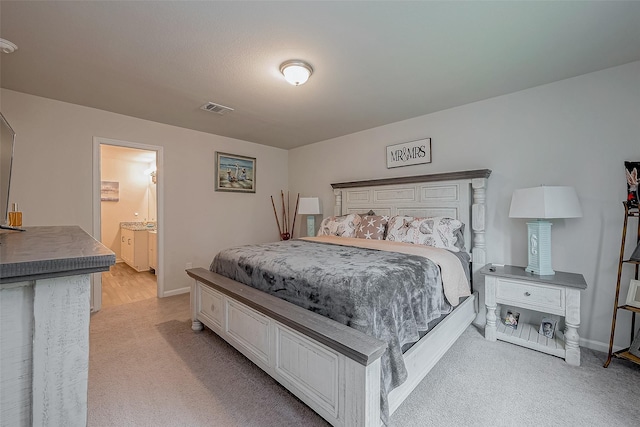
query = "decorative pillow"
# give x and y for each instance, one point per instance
(631, 170)
(343, 226)
(399, 229)
(372, 227)
(439, 232)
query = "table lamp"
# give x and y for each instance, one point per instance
(310, 206)
(542, 203)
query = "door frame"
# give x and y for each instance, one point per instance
(96, 278)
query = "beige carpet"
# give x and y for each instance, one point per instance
(148, 368)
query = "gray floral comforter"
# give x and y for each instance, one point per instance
(387, 295)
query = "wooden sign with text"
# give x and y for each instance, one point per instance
(409, 153)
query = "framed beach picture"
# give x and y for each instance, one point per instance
(235, 173)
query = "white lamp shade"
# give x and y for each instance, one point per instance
(309, 206)
(545, 202)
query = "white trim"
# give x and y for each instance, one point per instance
(180, 291)
(96, 279)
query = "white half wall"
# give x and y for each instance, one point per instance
(574, 132)
(53, 175)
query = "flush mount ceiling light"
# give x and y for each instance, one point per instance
(7, 47)
(296, 72)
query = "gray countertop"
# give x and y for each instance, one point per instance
(52, 251)
(572, 280)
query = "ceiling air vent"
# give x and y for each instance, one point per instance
(216, 108)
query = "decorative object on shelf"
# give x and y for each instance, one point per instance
(635, 256)
(285, 233)
(235, 173)
(542, 203)
(547, 327)
(109, 191)
(511, 319)
(635, 345)
(296, 72)
(633, 296)
(409, 153)
(310, 206)
(631, 171)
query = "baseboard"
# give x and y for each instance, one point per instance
(597, 345)
(176, 292)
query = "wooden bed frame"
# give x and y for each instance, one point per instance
(335, 369)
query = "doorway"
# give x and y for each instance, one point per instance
(128, 220)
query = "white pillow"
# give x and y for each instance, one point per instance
(343, 226)
(439, 232)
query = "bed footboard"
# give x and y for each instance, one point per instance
(332, 368)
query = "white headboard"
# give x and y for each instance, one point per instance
(459, 195)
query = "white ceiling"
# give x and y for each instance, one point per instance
(374, 62)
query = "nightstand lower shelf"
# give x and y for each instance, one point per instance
(527, 336)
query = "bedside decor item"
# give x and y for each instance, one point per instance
(547, 327)
(542, 203)
(409, 153)
(633, 296)
(310, 206)
(285, 233)
(631, 171)
(235, 173)
(511, 319)
(15, 216)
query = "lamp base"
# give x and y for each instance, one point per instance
(539, 245)
(311, 225)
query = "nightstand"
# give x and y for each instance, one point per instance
(558, 294)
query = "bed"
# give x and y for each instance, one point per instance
(333, 368)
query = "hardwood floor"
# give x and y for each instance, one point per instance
(122, 285)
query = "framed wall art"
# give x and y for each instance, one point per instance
(235, 173)
(633, 297)
(409, 153)
(109, 191)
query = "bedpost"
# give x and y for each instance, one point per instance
(337, 207)
(478, 223)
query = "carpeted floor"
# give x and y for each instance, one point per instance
(148, 368)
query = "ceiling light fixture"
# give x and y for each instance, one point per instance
(296, 72)
(7, 47)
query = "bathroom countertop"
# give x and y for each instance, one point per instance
(138, 226)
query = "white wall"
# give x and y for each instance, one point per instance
(575, 132)
(53, 175)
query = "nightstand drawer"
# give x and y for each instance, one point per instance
(537, 297)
